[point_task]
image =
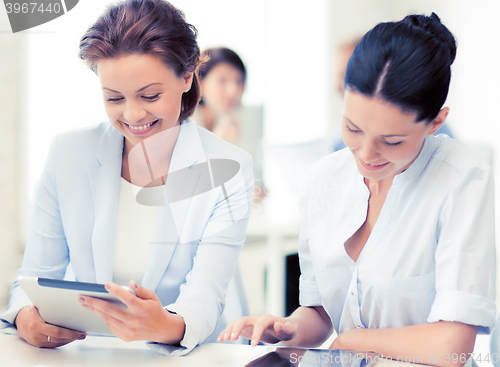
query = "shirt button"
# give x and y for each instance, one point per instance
(359, 325)
(352, 293)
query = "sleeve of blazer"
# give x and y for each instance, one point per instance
(46, 254)
(202, 296)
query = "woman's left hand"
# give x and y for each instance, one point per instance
(143, 319)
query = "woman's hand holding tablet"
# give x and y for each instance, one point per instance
(130, 313)
(143, 319)
(32, 328)
(56, 317)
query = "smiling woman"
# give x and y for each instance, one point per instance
(131, 102)
(384, 139)
(145, 103)
(180, 259)
(400, 258)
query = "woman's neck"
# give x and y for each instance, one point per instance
(379, 187)
(147, 163)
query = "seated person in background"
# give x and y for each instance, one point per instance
(397, 240)
(222, 81)
(90, 207)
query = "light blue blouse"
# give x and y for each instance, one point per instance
(431, 253)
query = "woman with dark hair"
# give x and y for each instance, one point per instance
(222, 81)
(133, 198)
(397, 244)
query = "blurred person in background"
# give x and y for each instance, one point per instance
(222, 80)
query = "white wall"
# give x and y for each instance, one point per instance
(10, 80)
(284, 44)
(475, 92)
(238, 25)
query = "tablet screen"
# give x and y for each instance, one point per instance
(77, 286)
(57, 302)
(293, 357)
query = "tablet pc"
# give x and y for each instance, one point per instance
(57, 302)
(293, 357)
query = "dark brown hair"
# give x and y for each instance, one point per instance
(153, 27)
(407, 63)
(221, 55)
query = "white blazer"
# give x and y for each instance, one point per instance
(197, 239)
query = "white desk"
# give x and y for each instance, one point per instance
(109, 352)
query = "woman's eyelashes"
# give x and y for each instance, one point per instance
(152, 98)
(352, 130)
(147, 98)
(384, 141)
(114, 99)
(392, 144)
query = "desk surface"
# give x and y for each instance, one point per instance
(109, 352)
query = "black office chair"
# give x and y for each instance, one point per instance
(292, 275)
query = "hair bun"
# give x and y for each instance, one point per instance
(432, 25)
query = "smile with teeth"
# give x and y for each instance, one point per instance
(375, 165)
(142, 127)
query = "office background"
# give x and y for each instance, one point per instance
(289, 50)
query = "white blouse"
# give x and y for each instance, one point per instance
(431, 253)
(135, 229)
(494, 355)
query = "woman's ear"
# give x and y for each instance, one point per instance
(188, 80)
(438, 121)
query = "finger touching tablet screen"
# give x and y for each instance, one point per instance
(57, 302)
